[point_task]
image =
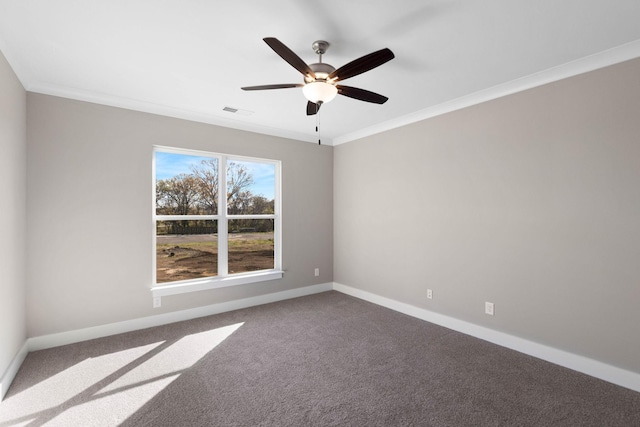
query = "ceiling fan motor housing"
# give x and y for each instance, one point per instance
(321, 70)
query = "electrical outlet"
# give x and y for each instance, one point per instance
(316, 272)
(488, 308)
(429, 294)
(157, 302)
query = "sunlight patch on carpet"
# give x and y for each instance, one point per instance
(60, 388)
(117, 384)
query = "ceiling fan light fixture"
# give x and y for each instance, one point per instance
(319, 92)
(320, 79)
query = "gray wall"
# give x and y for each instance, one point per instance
(89, 200)
(13, 176)
(531, 201)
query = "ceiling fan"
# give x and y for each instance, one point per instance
(320, 78)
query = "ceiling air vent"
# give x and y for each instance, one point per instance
(237, 111)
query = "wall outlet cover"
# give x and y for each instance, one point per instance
(489, 308)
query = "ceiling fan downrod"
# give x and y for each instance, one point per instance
(320, 47)
(320, 69)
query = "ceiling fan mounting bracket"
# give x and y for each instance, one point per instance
(320, 47)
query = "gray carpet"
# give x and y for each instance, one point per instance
(323, 360)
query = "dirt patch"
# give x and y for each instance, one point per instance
(180, 263)
(252, 260)
(183, 258)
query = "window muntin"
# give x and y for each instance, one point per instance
(201, 234)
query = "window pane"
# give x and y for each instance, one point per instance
(186, 250)
(250, 245)
(186, 185)
(250, 187)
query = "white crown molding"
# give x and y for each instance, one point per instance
(576, 362)
(598, 60)
(164, 110)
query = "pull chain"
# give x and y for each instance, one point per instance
(318, 120)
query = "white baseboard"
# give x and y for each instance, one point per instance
(70, 337)
(12, 370)
(576, 362)
(594, 368)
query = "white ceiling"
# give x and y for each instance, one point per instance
(189, 58)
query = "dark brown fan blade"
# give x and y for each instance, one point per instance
(289, 56)
(312, 108)
(361, 94)
(265, 87)
(363, 64)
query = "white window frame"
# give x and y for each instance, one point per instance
(223, 279)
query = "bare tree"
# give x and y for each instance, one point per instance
(240, 203)
(238, 179)
(206, 176)
(198, 192)
(177, 195)
(261, 205)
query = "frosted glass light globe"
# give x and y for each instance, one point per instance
(319, 92)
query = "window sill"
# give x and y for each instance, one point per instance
(185, 286)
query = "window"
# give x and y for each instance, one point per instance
(216, 220)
